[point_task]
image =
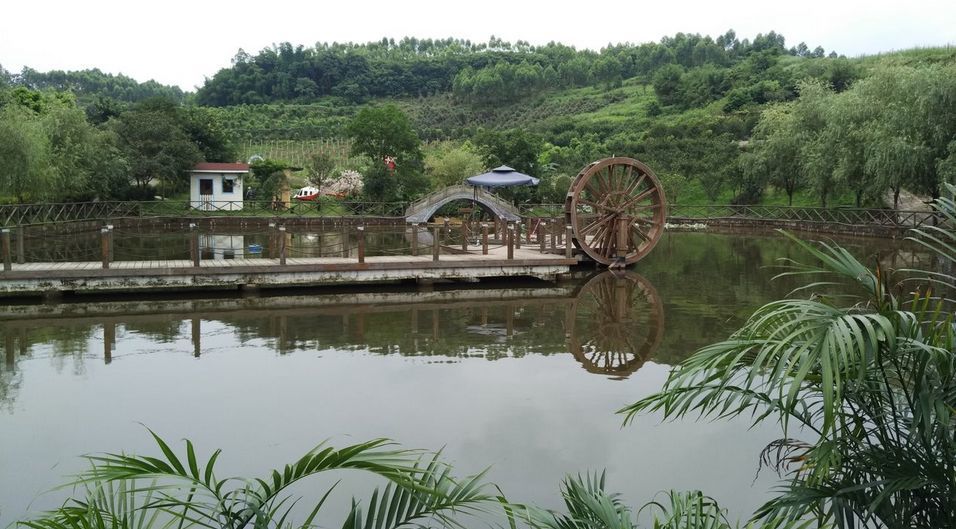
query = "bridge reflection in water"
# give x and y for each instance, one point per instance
(611, 323)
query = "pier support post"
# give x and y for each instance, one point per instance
(464, 236)
(517, 227)
(346, 250)
(282, 250)
(567, 241)
(414, 239)
(528, 231)
(511, 240)
(21, 252)
(554, 228)
(436, 234)
(193, 245)
(105, 246)
(273, 242)
(109, 230)
(484, 239)
(361, 244)
(541, 238)
(7, 263)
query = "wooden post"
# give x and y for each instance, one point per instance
(541, 238)
(623, 231)
(484, 239)
(345, 241)
(109, 229)
(361, 244)
(510, 233)
(105, 246)
(193, 245)
(554, 228)
(567, 241)
(436, 234)
(517, 226)
(21, 253)
(282, 242)
(7, 263)
(528, 231)
(464, 236)
(414, 239)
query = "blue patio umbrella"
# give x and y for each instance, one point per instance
(503, 176)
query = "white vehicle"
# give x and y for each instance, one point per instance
(307, 193)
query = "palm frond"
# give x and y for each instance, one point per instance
(181, 492)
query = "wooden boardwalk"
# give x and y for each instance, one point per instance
(44, 278)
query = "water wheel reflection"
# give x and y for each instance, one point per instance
(617, 323)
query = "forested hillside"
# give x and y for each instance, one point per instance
(721, 119)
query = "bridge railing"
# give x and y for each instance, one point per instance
(459, 190)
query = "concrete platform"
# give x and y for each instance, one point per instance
(133, 276)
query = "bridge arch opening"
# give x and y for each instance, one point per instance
(426, 207)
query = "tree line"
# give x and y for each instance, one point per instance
(894, 130)
(90, 85)
(51, 150)
(481, 72)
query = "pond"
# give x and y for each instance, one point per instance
(524, 377)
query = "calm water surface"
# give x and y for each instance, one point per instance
(522, 377)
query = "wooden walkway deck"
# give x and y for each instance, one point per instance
(43, 278)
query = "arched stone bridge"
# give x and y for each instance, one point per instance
(424, 208)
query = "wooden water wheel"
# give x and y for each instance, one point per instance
(616, 208)
(618, 323)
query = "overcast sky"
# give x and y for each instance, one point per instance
(182, 42)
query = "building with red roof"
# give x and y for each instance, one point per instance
(215, 186)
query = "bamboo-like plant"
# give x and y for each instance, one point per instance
(868, 377)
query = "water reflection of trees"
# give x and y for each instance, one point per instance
(711, 284)
(610, 323)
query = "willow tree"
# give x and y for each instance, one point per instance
(24, 156)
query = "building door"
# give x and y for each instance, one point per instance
(205, 193)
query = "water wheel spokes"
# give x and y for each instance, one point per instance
(616, 208)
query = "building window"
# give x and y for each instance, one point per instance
(228, 184)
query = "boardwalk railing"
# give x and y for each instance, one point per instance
(843, 216)
(279, 242)
(29, 214)
(839, 215)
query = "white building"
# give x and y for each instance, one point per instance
(217, 186)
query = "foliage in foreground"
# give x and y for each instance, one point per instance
(868, 377)
(127, 491)
(167, 491)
